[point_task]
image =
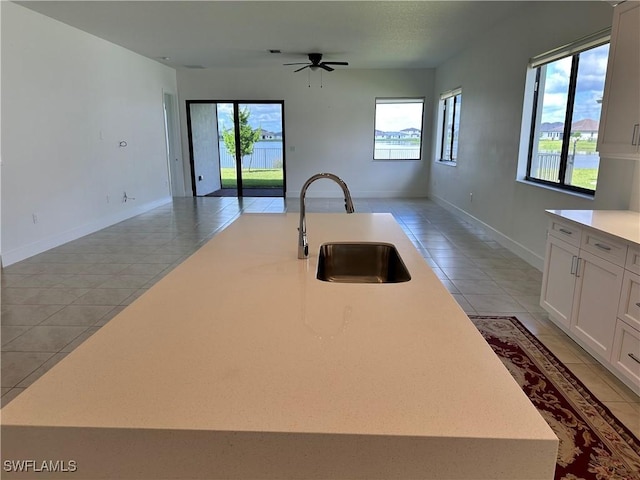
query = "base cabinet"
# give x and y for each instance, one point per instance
(598, 284)
(559, 280)
(590, 290)
(626, 353)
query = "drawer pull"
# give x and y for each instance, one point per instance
(602, 246)
(567, 232)
(633, 357)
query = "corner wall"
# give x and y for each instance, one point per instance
(326, 129)
(68, 100)
(492, 76)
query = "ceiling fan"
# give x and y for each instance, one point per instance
(316, 63)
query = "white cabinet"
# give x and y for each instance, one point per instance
(619, 132)
(591, 290)
(626, 355)
(629, 310)
(595, 302)
(558, 279)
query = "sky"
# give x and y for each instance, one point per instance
(592, 69)
(267, 116)
(393, 117)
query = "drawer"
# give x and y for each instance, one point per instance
(633, 259)
(604, 246)
(625, 356)
(629, 306)
(565, 231)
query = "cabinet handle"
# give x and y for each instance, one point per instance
(602, 246)
(567, 232)
(633, 357)
(634, 141)
(578, 267)
(573, 264)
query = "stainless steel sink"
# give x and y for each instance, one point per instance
(361, 262)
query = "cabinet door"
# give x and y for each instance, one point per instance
(629, 309)
(595, 303)
(626, 354)
(558, 279)
(619, 127)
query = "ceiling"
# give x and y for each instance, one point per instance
(238, 34)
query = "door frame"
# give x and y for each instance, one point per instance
(236, 103)
(175, 165)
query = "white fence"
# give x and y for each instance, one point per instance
(261, 158)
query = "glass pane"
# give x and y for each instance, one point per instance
(398, 129)
(262, 148)
(553, 92)
(205, 153)
(227, 146)
(448, 128)
(456, 126)
(583, 160)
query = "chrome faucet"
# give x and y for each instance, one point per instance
(303, 246)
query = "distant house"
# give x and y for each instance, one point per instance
(587, 128)
(267, 135)
(411, 132)
(551, 131)
(406, 133)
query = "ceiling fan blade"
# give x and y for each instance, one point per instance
(298, 63)
(306, 66)
(326, 67)
(336, 63)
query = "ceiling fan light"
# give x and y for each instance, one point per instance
(314, 67)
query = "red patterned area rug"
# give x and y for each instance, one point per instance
(593, 443)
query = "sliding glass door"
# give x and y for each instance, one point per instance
(249, 151)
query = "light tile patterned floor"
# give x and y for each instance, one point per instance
(54, 301)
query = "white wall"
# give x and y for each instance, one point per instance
(327, 129)
(492, 75)
(68, 99)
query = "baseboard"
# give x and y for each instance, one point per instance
(520, 250)
(25, 251)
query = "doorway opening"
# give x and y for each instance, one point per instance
(237, 148)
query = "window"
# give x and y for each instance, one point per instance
(398, 128)
(567, 96)
(449, 116)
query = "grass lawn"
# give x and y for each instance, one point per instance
(583, 146)
(256, 178)
(585, 178)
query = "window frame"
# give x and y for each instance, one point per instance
(443, 129)
(536, 65)
(398, 100)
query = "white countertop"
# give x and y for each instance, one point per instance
(624, 224)
(242, 337)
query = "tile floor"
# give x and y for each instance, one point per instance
(54, 301)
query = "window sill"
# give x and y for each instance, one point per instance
(447, 163)
(397, 159)
(555, 189)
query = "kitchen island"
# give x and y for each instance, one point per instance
(241, 364)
